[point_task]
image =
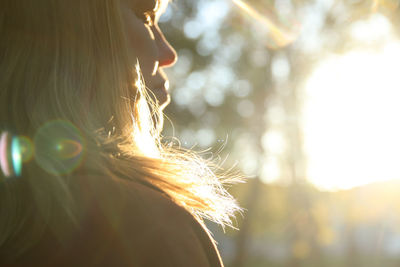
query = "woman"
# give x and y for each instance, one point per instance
(102, 190)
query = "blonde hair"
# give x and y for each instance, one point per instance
(53, 52)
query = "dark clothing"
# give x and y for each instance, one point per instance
(126, 223)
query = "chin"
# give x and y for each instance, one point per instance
(165, 102)
(161, 97)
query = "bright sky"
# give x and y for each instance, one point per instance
(352, 119)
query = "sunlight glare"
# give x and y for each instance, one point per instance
(351, 129)
(279, 35)
(273, 142)
(388, 4)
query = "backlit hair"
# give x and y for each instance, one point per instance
(69, 60)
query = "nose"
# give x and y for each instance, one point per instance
(167, 54)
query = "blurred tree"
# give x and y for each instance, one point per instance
(235, 87)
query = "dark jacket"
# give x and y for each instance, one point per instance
(126, 223)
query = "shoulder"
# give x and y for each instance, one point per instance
(148, 228)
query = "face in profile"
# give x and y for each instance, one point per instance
(147, 41)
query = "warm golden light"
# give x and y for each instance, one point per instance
(278, 34)
(351, 119)
(388, 4)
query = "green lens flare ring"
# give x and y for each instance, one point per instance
(26, 147)
(16, 156)
(59, 147)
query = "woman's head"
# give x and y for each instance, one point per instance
(54, 53)
(82, 61)
(145, 39)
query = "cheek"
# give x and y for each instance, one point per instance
(141, 42)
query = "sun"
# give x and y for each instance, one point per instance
(351, 119)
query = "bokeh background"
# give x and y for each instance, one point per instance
(302, 96)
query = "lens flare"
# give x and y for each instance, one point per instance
(10, 155)
(59, 147)
(391, 5)
(26, 147)
(16, 156)
(281, 37)
(350, 114)
(4, 164)
(69, 149)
